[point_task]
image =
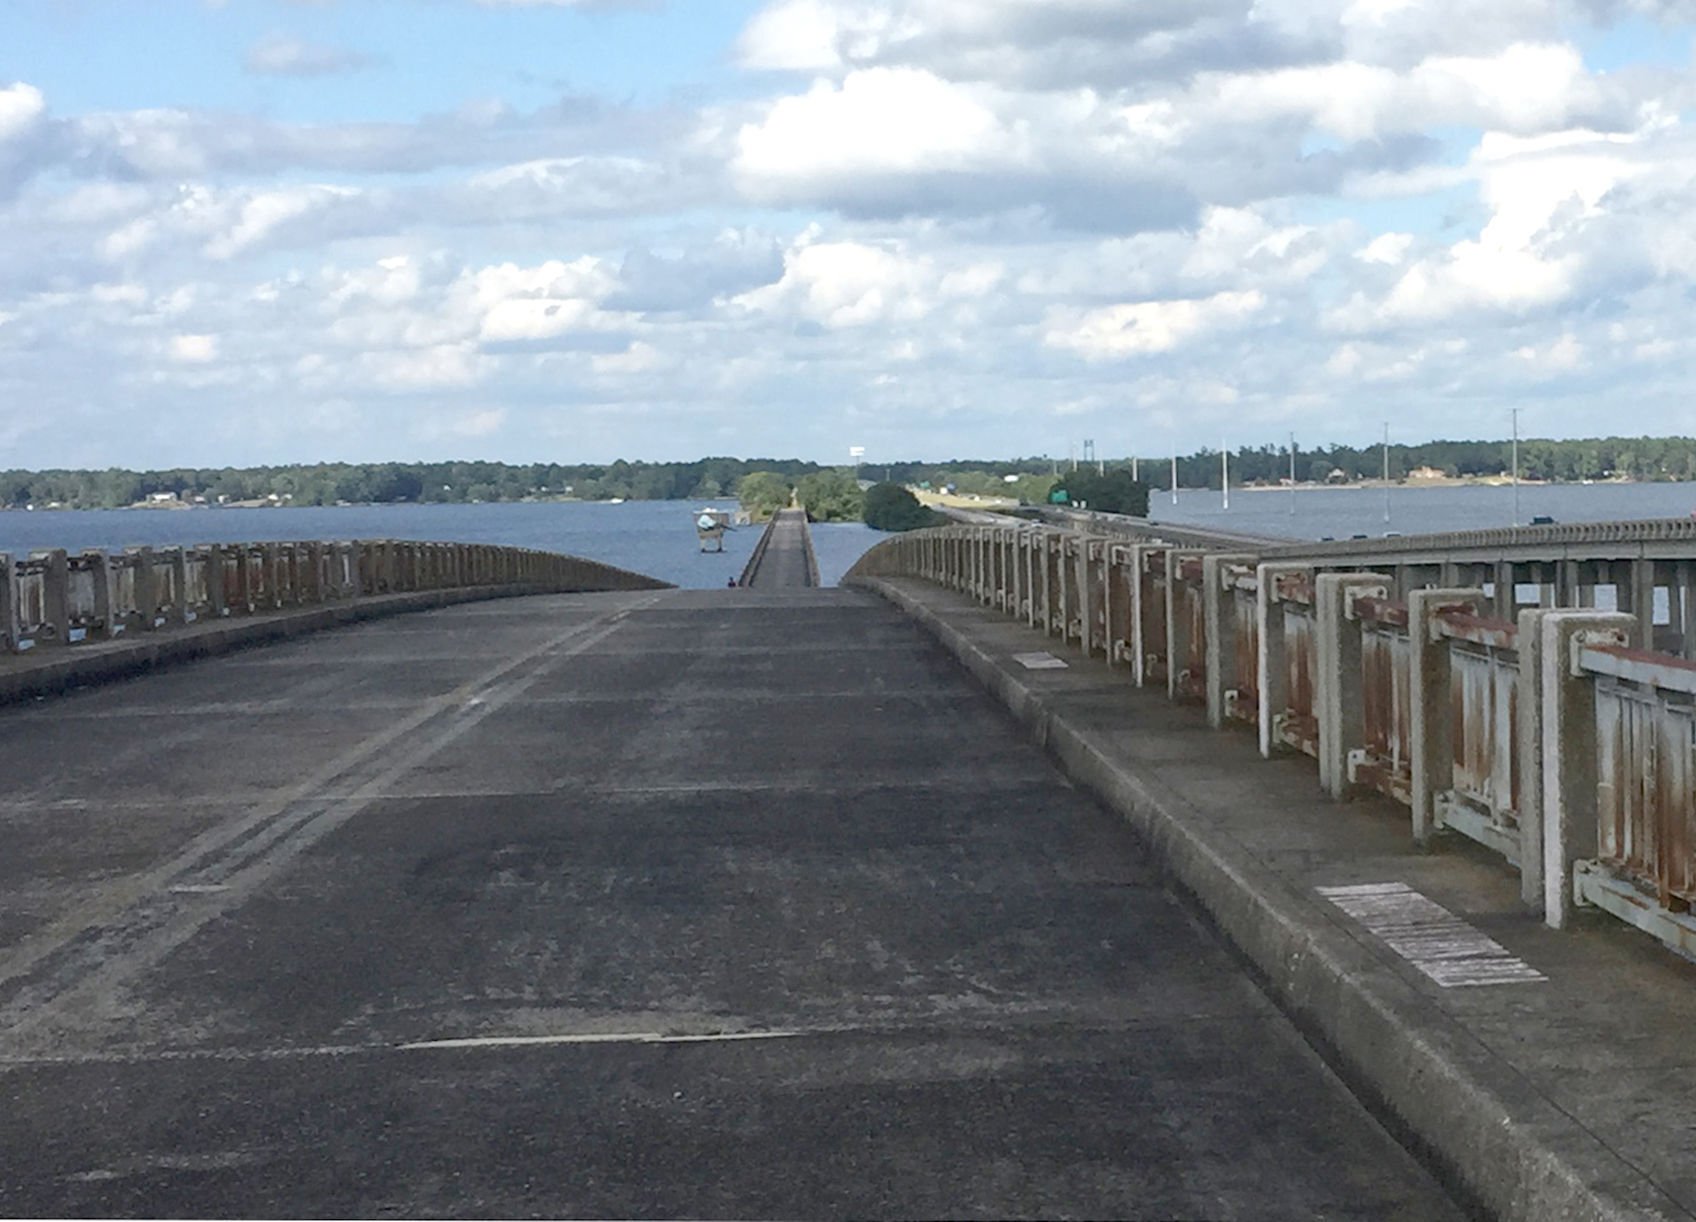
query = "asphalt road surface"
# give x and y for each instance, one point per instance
(784, 565)
(711, 903)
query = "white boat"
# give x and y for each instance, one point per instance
(710, 525)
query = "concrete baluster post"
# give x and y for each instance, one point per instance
(99, 569)
(1570, 771)
(1053, 583)
(146, 588)
(1007, 569)
(213, 567)
(1506, 598)
(239, 558)
(1528, 756)
(1273, 662)
(1431, 736)
(176, 559)
(1643, 600)
(1338, 694)
(56, 597)
(1064, 597)
(312, 566)
(8, 604)
(271, 566)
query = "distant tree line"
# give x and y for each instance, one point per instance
(1027, 479)
(1632, 458)
(363, 483)
(1596, 458)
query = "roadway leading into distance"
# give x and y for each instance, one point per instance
(784, 564)
(697, 903)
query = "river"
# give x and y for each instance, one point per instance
(1314, 513)
(652, 537)
(658, 537)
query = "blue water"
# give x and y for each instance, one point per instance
(1344, 512)
(658, 537)
(653, 537)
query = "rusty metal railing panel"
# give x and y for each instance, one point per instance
(1119, 585)
(1384, 762)
(1190, 607)
(1299, 727)
(1484, 728)
(1243, 683)
(1152, 611)
(1646, 803)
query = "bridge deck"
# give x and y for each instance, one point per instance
(784, 565)
(476, 911)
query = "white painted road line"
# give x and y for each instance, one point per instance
(603, 1037)
(1039, 661)
(1430, 937)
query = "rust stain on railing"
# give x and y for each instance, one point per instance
(1386, 700)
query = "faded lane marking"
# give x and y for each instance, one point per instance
(1430, 937)
(1039, 661)
(602, 1037)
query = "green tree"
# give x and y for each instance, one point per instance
(892, 507)
(1113, 492)
(763, 493)
(830, 496)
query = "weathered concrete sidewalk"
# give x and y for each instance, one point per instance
(1565, 1096)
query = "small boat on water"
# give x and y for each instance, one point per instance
(710, 525)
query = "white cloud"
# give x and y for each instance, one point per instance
(194, 349)
(880, 121)
(1146, 327)
(280, 55)
(22, 107)
(847, 284)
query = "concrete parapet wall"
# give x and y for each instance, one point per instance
(71, 619)
(1554, 735)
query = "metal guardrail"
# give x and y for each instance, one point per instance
(56, 598)
(1506, 709)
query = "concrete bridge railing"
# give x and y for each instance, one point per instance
(57, 598)
(1472, 680)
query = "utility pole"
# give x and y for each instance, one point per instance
(1386, 472)
(1134, 469)
(1292, 475)
(1225, 473)
(1515, 465)
(1174, 473)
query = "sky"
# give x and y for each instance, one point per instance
(236, 232)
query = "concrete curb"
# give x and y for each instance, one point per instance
(1508, 1150)
(60, 669)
